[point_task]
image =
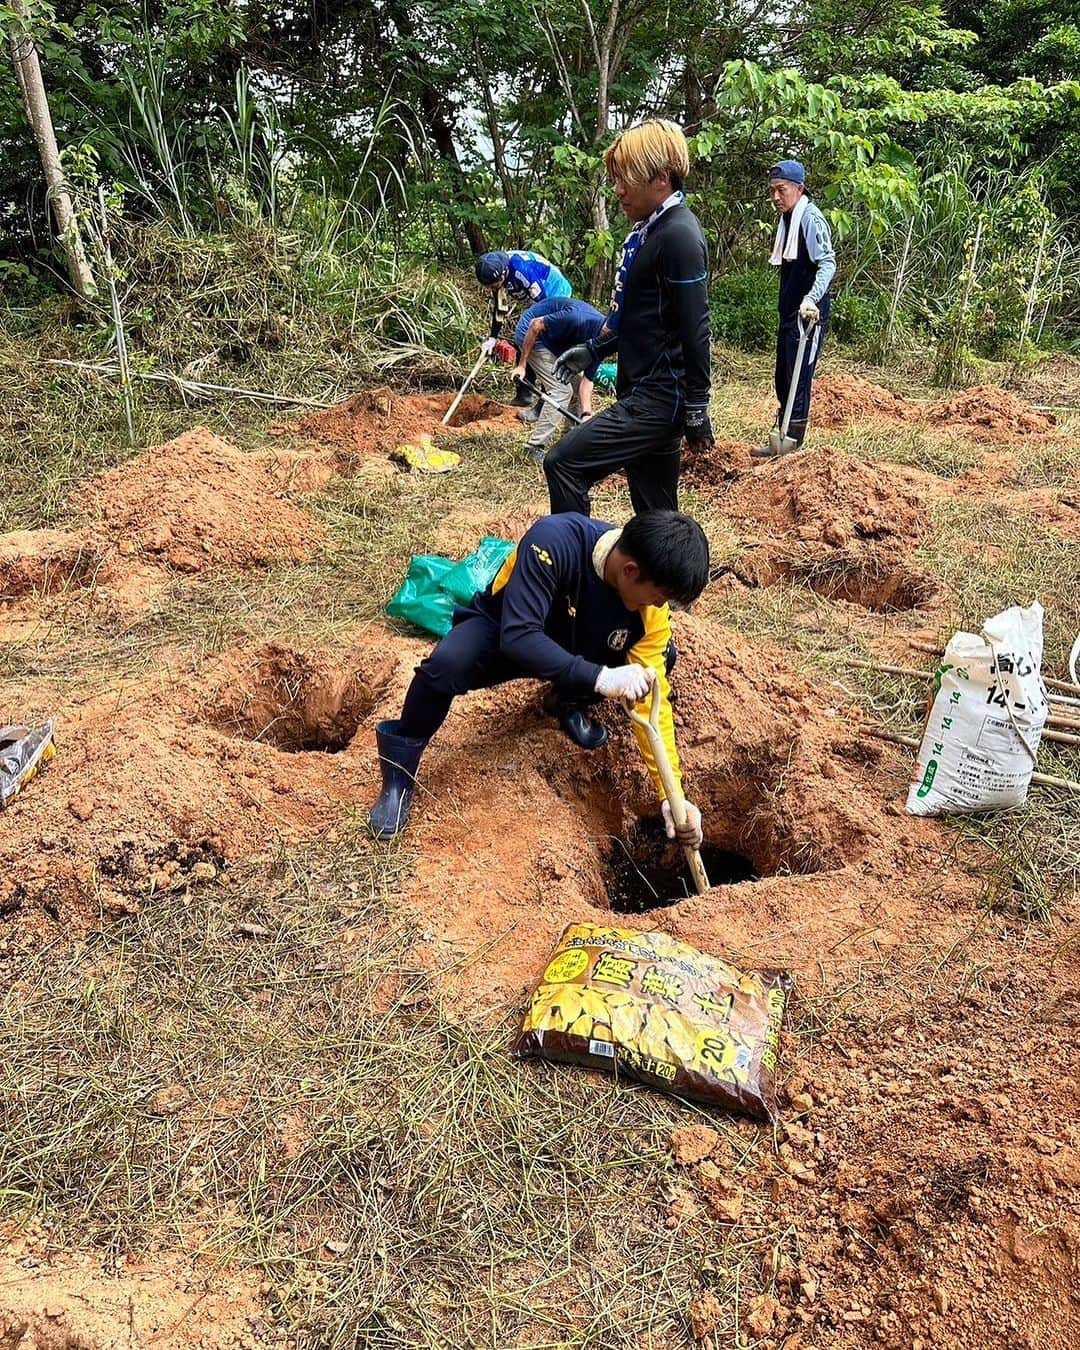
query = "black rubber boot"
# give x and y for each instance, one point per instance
(797, 431)
(573, 717)
(399, 758)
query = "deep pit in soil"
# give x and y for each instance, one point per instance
(298, 701)
(881, 588)
(647, 871)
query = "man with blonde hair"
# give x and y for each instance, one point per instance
(658, 322)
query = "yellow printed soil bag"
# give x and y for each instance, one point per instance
(652, 1008)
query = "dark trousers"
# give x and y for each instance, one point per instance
(787, 344)
(468, 657)
(635, 434)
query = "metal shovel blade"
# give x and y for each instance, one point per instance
(781, 445)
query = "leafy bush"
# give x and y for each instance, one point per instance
(858, 319)
(744, 308)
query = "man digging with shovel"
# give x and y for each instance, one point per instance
(543, 333)
(803, 252)
(524, 278)
(579, 603)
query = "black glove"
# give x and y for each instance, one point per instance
(574, 360)
(697, 428)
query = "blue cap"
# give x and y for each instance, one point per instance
(789, 169)
(492, 267)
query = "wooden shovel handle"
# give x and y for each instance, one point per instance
(674, 793)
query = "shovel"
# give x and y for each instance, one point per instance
(461, 392)
(780, 443)
(527, 384)
(651, 726)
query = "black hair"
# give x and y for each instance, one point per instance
(677, 183)
(671, 550)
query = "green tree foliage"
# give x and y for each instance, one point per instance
(440, 127)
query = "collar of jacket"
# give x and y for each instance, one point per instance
(602, 548)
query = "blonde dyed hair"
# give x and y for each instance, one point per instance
(640, 153)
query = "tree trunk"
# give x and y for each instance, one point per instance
(28, 73)
(438, 119)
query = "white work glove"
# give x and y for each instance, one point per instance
(488, 346)
(690, 835)
(630, 683)
(809, 312)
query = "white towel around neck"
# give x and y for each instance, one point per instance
(788, 250)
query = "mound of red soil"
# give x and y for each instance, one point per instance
(840, 399)
(826, 495)
(991, 414)
(843, 527)
(173, 779)
(197, 501)
(381, 420)
(714, 467)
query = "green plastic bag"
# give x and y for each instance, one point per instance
(421, 599)
(606, 375)
(475, 572)
(435, 586)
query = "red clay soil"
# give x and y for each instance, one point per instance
(847, 528)
(841, 398)
(715, 467)
(989, 413)
(380, 420)
(926, 1189)
(162, 781)
(984, 412)
(59, 1301)
(196, 502)
(42, 562)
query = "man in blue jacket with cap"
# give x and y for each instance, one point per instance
(803, 252)
(525, 278)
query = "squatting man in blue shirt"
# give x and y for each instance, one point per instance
(803, 252)
(578, 602)
(544, 332)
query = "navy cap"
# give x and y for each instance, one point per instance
(492, 267)
(790, 169)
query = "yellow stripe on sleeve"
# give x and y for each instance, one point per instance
(649, 651)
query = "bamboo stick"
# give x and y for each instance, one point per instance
(117, 317)
(912, 743)
(1061, 718)
(1066, 686)
(190, 386)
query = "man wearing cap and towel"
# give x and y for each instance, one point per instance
(803, 252)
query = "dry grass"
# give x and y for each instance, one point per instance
(326, 1096)
(385, 1168)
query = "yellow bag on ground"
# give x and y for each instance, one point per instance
(652, 1008)
(424, 457)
